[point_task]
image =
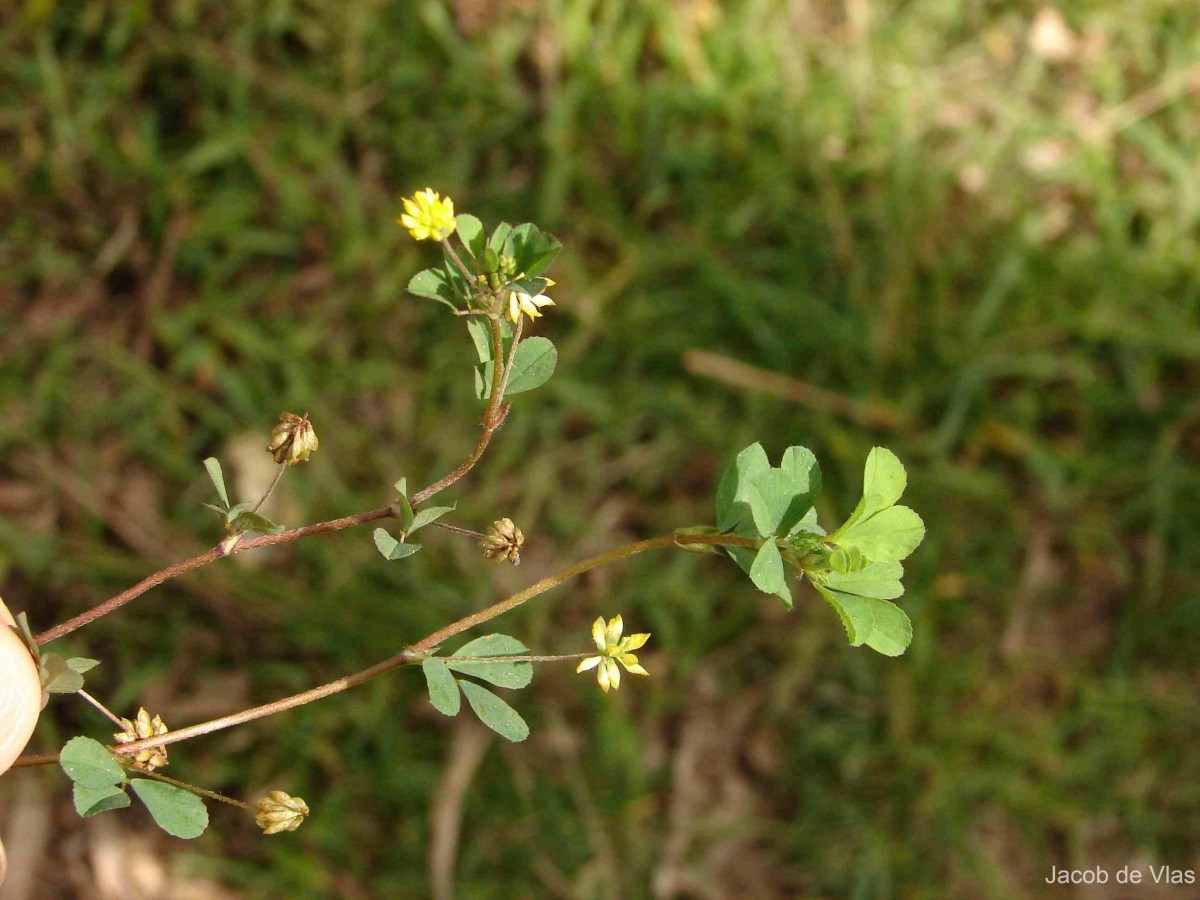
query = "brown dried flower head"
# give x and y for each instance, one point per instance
(503, 541)
(279, 811)
(149, 758)
(292, 440)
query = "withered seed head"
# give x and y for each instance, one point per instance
(503, 541)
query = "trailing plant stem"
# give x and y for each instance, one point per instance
(422, 649)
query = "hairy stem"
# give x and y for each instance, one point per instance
(422, 649)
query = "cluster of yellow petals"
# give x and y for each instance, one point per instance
(613, 650)
(427, 216)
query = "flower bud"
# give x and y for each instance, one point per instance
(503, 541)
(292, 440)
(279, 811)
(149, 758)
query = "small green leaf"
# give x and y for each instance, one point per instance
(530, 286)
(81, 664)
(884, 480)
(884, 476)
(767, 573)
(427, 515)
(57, 677)
(880, 580)
(213, 466)
(881, 625)
(443, 689)
(495, 713)
(401, 487)
(779, 498)
(178, 812)
(481, 337)
(249, 521)
(499, 237)
(26, 635)
(91, 801)
(502, 674)
(733, 504)
(887, 536)
(534, 364)
(470, 232)
(406, 514)
(435, 284)
(533, 249)
(392, 548)
(89, 763)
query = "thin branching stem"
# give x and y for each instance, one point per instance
(419, 651)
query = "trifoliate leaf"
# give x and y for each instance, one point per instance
(880, 580)
(733, 493)
(429, 514)
(534, 364)
(213, 466)
(887, 536)
(88, 762)
(391, 548)
(91, 801)
(56, 676)
(501, 674)
(470, 230)
(495, 713)
(767, 573)
(178, 812)
(881, 625)
(435, 284)
(443, 689)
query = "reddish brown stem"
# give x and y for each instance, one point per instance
(114, 603)
(420, 650)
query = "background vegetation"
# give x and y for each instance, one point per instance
(973, 224)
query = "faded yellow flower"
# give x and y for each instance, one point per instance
(149, 758)
(292, 440)
(503, 541)
(520, 302)
(428, 216)
(279, 811)
(613, 649)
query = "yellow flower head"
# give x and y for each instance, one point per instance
(427, 216)
(521, 302)
(613, 649)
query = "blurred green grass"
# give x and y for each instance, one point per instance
(904, 203)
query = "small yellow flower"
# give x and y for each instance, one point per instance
(427, 216)
(613, 649)
(279, 811)
(150, 758)
(521, 302)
